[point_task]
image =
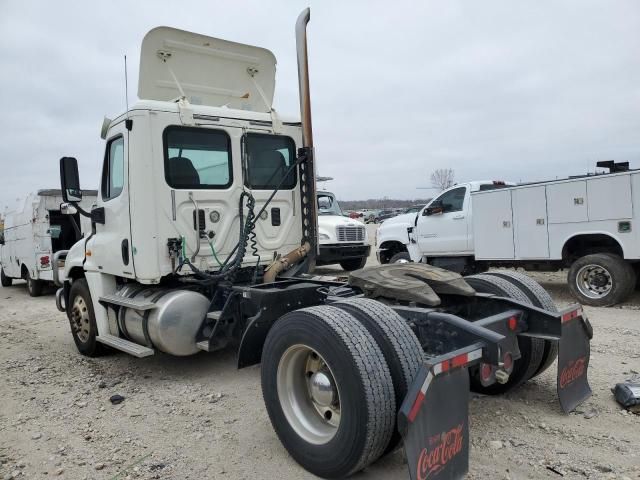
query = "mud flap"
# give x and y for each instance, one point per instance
(433, 419)
(573, 360)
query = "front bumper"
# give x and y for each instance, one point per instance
(337, 252)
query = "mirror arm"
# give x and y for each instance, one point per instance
(81, 211)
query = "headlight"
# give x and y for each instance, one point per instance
(324, 236)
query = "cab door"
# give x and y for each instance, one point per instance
(109, 249)
(443, 225)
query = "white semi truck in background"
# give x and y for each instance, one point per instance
(342, 240)
(589, 225)
(34, 230)
(204, 236)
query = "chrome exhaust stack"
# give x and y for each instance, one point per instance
(307, 167)
(303, 77)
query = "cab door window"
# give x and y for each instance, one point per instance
(113, 170)
(452, 201)
(268, 160)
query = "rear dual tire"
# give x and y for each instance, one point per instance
(370, 358)
(540, 298)
(357, 387)
(531, 349)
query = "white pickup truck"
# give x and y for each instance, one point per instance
(342, 239)
(584, 224)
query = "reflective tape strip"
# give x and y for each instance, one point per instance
(417, 403)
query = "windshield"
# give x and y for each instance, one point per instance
(328, 205)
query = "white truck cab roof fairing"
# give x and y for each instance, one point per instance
(208, 70)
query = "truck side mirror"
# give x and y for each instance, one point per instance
(70, 180)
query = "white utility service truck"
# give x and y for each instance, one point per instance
(342, 239)
(202, 238)
(33, 232)
(587, 224)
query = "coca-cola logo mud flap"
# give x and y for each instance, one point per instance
(573, 363)
(436, 440)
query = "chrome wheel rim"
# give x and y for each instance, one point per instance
(308, 394)
(594, 281)
(401, 260)
(80, 319)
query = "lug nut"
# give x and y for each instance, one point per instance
(502, 376)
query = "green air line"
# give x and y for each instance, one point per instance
(213, 251)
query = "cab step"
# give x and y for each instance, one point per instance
(126, 346)
(133, 303)
(215, 315)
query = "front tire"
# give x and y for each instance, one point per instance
(353, 264)
(4, 280)
(601, 279)
(82, 320)
(328, 391)
(34, 287)
(531, 349)
(402, 257)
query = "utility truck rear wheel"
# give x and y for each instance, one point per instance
(400, 347)
(538, 297)
(328, 391)
(402, 257)
(531, 349)
(353, 264)
(34, 287)
(4, 280)
(601, 279)
(83, 320)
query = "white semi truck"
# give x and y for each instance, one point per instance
(34, 230)
(588, 225)
(202, 237)
(342, 240)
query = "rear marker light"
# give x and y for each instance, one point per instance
(571, 315)
(512, 322)
(44, 260)
(507, 362)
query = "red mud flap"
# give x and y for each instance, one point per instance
(433, 419)
(573, 359)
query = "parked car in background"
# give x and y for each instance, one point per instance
(414, 208)
(33, 231)
(342, 240)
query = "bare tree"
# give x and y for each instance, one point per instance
(442, 178)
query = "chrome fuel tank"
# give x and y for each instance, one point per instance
(170, 327)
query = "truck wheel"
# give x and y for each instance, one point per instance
(328, 391)
(353, 264)
(540, 298)
(399, 345)
(83, 320)
(531, 349)
(4, 280)
(402, 257)
(34, 287)
(601, 279)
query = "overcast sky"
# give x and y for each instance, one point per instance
(494, 90)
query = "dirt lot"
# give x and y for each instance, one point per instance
(199, 417)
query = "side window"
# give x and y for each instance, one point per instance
(197, 158)
(268, 158)
(113, 170)
(453, 200)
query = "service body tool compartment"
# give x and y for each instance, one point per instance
(493, 225)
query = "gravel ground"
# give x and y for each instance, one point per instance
(199, 417)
